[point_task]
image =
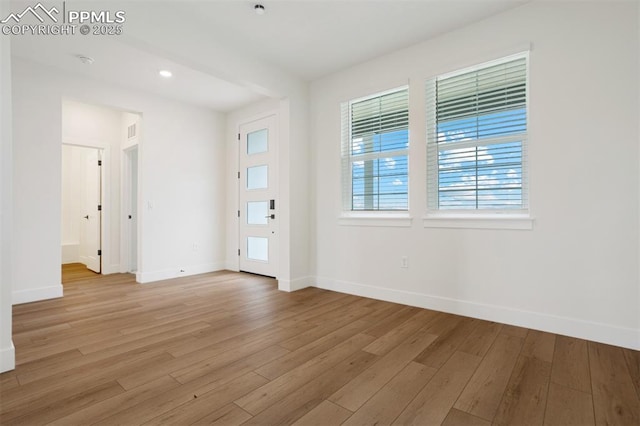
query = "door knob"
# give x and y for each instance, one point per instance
(271, 216)
(87, 217)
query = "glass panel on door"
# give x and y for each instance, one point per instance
(258, 248)
(257, 212)
(257, 141)
(257, 177)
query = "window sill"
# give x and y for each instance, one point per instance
(479, 221)
(375, 219)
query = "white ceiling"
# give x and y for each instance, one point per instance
(306, 39)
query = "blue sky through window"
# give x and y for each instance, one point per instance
(475, 176)
(380, 183)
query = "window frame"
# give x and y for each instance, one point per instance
(375, 217)
(500, 218)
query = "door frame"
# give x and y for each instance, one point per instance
(105, 200)
(276, 160)
(126, 231)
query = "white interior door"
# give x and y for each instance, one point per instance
(90, 238)
(258, 211)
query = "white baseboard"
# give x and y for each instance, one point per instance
(70, 253)
(295, 284)
(598, 332)
(232, 266)
(144, 277)
(36, 294)
(111, 269)
(7, 358)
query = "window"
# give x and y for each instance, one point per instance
(375, 142)
(477, 138)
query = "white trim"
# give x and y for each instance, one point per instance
(7, 358)
(375, 219)
(70, 253)
(104, 154)
(112, 269)
(36, 294)
(478, 221)
(595, 331)
(167, 274)
(524, 53)
(405, 86)
(295, 284)
(232, 265)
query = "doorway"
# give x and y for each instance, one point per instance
(82, 206)
(258, 210)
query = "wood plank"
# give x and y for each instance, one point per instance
(304, 399)
(525, 398)
(568, 407)
(229, 415)
(355, 393)
(460, 418)
(446, 344)
(220, 357)
(327, 413)
(432, 404)
(391, 321)
(615, 399)
(390, 340)
(286, 363)
(263, 397)
(633, 363)
(62, 385)
(571, 364)
(481, 339)
(539, 345)
(386, 405)
(123, 401)
(482, 395)
(48, 412)
(514, 331)
(194, 409)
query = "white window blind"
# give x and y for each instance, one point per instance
(477, 138)
(375, 142)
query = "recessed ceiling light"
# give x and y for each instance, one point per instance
(165, 73)
(85, 59)
(259, 9)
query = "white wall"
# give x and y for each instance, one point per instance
(181, 178)
(576, 272)
(71, 203)
(7, 350)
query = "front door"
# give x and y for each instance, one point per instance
(258, 212)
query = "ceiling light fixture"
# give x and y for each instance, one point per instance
(259, 9)
(165, 73)
(85, 59)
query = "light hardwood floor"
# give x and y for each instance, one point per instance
(229, 348)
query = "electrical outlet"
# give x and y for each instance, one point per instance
(195, 247)
(404, 262)
(181, 271)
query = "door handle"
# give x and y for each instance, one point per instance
(271, 216)
(87, 217)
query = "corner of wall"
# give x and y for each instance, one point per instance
(7, 350)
